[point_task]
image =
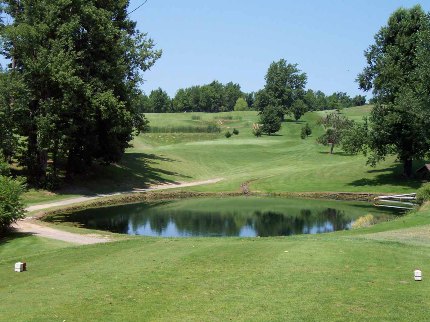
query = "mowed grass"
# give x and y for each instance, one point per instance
(332, 277)
(279, 163)
(282, 162)
(359, 275)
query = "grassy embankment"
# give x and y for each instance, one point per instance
(280, 163)
(365, 274)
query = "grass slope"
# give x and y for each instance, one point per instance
(282, 162)
(359, 275)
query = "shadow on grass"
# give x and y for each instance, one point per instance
(13, 235)
(273, 135)
(389, 176)
(135, 171)
(293, 121)
(340, 153)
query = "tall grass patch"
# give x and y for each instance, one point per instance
(210, 128)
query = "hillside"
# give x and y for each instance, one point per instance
(183, 147)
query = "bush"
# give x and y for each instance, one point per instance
(423, 193)
(306, 131)
(362, 222)
(11, 207)
(256, 129)
(235, 131)
(228, 134)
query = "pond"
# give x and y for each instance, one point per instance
(222, 217)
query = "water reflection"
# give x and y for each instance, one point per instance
(166, 219)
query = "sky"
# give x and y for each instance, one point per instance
(236, 40)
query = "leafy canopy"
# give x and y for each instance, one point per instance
(285, 85)
(398, 73)
(76, 67)
(270, 120)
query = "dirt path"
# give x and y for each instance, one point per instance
(30, 225)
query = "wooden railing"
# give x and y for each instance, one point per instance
(405, 201)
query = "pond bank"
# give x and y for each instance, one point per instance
(171, 195)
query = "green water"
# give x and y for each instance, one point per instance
(240, 216)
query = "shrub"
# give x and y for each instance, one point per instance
(306, 131)
(11, 207)
(227, 134)
(235, 131)
(423, 193)
(303, 134)
(256, 129)
(364, 221)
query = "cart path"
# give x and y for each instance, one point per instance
(32, 226)
(152, 188)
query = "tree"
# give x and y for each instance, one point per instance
(181, 101)
(359, 100)
(159, 102)
(397, 72)
(310, 100)
(284, 85)
(298, 108)
(142, 103)
(79, 65)
(335, 125)
(270, 120)
(9, 117)
(241, 105)
(232, 93)
(250, 99)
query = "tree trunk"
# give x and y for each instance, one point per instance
(36, 161)
(407, 168)
(331, 148)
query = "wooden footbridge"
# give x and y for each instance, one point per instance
(406, 201)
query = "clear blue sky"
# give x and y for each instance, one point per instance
(237, 40)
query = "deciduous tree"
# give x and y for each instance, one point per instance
(270, 120)
(79, 63)
(397, 72)
(285, 84)
(335, 125)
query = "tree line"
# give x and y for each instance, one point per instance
(218, 97)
